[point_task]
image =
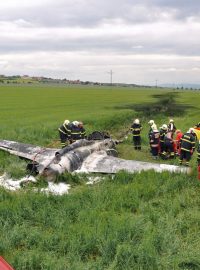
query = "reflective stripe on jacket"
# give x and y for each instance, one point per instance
(198, 153)
(136, 129)
(187, 142)
(77, 133)
(65, 129)
(154, 141)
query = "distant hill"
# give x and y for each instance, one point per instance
(26, 79)
(182, 85)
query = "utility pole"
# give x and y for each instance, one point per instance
(156, 83)
(111, 73)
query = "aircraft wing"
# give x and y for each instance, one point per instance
(101, 163)
(28, 151)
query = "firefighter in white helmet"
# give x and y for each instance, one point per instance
(163, 131)
(154, 143)
(153, 126)
(136, 131)
(187, 145)
(168, 146)
(171, 126)
(77, 131)
(64, 133)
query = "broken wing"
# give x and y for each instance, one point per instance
(28, 151)
(100, 162)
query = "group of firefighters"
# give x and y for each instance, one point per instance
(70, 132)
(167, 142)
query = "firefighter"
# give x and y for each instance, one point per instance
(64, 133)
(77, 131)
(179, 134)
(74, 131)
(154, 143)
(168, 146)
(198, 154)
(198, 160)
(197, 130)
(187, 146)
(136, 130)
(82, 130)
(152, 127)
(171, 126)
(163, 132)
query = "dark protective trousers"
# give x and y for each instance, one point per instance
(162, 147)
(137, 142)
(185, 155)
(154, 151)
(168, 147)
(63, 138)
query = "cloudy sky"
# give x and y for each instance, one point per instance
(141, 41)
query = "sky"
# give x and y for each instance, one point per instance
(141, 41)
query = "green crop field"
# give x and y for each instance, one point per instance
(129, 221)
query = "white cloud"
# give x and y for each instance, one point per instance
(18, 4)
(88, 66)
(140, 40)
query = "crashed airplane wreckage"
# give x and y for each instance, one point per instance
(96, 154)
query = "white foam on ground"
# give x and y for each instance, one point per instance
(52, 188)
(94, 179)
(56, 189)
(91, 179)
(14, 185)
(10, 184)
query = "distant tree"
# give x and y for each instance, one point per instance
(166, 104)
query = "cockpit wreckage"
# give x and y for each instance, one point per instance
(96, 154)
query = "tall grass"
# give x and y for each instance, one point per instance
(139, 221)
(129, 221)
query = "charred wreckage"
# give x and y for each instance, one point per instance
(96, 154)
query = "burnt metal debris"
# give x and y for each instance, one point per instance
(94, 155)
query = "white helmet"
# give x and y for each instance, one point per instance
(136, 121)
(171, 121)
(75, 123)
(151, 122)
(66, 122)
(191, 130)
(164, 127)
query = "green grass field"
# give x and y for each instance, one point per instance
(131, 221)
